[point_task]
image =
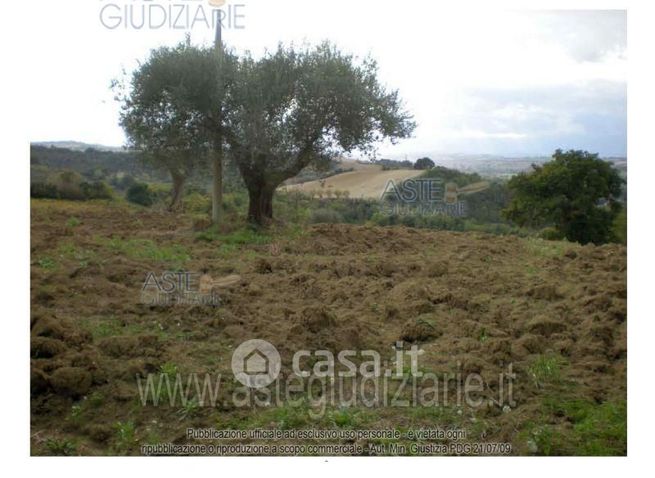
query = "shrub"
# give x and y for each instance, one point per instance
(123, 182)
(197, 203)
(324, 215)
(620, 227)
(68, 185)
(96, 190)
(424, 163)
(576, 192)
(140, 194)
(551, 234)
(44, 190)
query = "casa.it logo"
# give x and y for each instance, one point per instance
(256, 363)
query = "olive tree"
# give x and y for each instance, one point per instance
(173, 112)
(292, 108)
(167, 140)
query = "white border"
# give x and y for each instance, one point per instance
(22, 53)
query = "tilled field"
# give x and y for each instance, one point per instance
(478, 304)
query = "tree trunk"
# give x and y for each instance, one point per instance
(217, 181)
(260, 205)
(178, 189)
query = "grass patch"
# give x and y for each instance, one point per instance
(47, 263)
(125, 436)
(245, 236)
(109, 326)
(544, 248)
(587, 428)
(68, 250)
(146, 249)
(73, 222)
(60, 447)
(546, 369)
(350, 418)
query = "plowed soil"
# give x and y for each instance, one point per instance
(474, 302)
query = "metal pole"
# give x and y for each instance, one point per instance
(218, 41)
(217, 162)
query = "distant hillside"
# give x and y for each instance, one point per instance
(77, 146)
(362, 180)
(504, 167)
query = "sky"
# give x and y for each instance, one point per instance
(500, 82)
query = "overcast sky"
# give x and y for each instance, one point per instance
(497, 82)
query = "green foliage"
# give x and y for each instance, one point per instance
(424, 163)
(44, 190)
(391, 164)
(246, 235)
(170, 108)
(487, 206)
(324, 215)
(73, 222)
(47, 263)
(110, 164)
(140, 193)
(551, 234)
(594, 430)
(96, 190)
(620, 227)
(576, 192)
(189, 409)
(123, 182)
(292, 108)
(197, 203)
(61, 447)
(147, 249)
(70, 185)
(545, 369)
(169, 369)
(448, 175)
(125, 436)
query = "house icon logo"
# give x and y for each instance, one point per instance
(256, 363)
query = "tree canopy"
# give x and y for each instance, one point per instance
(424, 163)
(576, 192)
(292, 108)
(173, 109)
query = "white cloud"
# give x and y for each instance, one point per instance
(497, 80)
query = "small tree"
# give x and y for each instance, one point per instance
(576, 192)
(173, 111)
(424, 163)
(167, 139)
(294, 108)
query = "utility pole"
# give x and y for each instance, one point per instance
(217, 159)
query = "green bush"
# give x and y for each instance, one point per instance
(96, 190)
(44, 190)
(620, 227)
(325, 215)
(551, 234)
(197, 203)
(140, 194)
(123, 182)
(576, 192)
(69, 185)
